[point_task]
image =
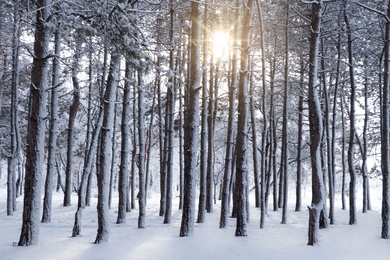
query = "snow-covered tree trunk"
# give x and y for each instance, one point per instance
(242, 125)
(124, 170)
(385, 140)
(72, 117)
(191, 124)
(203, 123)
(47, 201)
(315, 121)
(141, 154)
(227, 175)
(352, 128)
(263, 154)
(106, 149)
(285, 137)
(14, 135)
(87, 170)
(171, 101)
(298, 188)
(35, 149)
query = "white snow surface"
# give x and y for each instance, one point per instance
(162, 241)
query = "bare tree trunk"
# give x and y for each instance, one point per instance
(171, 99)
(14, 135)
(263, 159)
(191, 124)
(285, 139)
(385, 140)
(242, 126)
(203, 126)
(227, 176)
(106, 150)
(72, 117)
(123, 186)
(352, 129)
(87, 170)
(298, 201)
(47, 201)
(315, 120)
(36, 127)
(254, 142)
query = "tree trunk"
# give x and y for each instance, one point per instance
(352, 129)
(285, 154)
(315, 121)
(298, 189)
(72, 117)
(36, 127)
(14, 135)
(47, 201)
(242, 126)
(191, 124)
(123, 186)
(227, 176)
(385, 140)
(203, 126)
(171, 99)
(106, 150)
(87, 170)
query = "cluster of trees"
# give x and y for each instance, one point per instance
(302, 88)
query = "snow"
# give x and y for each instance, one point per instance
(162, 241)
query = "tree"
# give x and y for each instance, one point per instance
(106, 149)
(191, 124)
(352, 128)
(46, 215)
(315, 121)
(242, 126)
(125, 147)
(72, 117)
(227, 176)
(36, 127)
(385, 137)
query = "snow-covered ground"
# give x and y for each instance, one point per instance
(162, 241)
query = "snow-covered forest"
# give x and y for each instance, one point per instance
(261, 118)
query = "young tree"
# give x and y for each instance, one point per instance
(36, 127)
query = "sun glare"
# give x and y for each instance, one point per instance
(220, 43)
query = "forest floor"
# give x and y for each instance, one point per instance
(162, 241)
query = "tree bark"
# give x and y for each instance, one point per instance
(191, 124)
(227, 176)
(106, 149)
(242, 126)
(352, 128)
(36, 127)
(123, 186)
(385, 140)
(47, 201)
(72, 117)
(315, 121)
